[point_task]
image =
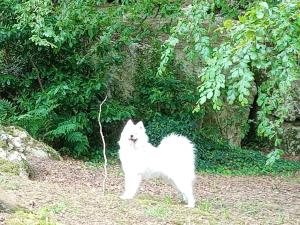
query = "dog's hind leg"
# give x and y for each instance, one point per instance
(132, 183)
(186, 188)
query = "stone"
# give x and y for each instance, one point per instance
(17, 142)
(291, 134)
(39, 153)
(291, 138)
(17, 148)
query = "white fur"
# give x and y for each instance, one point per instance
(173, 158)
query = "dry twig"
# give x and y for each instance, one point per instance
(104, 146)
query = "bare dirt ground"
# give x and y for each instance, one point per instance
(70, 192)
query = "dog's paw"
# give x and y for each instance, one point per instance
(125, 196)
(190, 205)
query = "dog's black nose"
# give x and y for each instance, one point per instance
(131, 136)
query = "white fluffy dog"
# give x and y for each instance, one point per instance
(173, 159)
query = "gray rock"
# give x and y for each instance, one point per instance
(291, 134)
(17, 147)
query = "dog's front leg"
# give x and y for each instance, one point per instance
(132, 183)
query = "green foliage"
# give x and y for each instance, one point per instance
(234, 8)
(274, 156)
(192, 26)
(7, 111)
(56, 60)
(53, 25)
(64, 114)
(170, 95)
(159, 127)
(71, 131)
(215, 156)
(245, 162)
(260, 50)
(36, 15)
(230, 8)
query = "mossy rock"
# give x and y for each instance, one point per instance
(9, 167)
(52, 152)
(3, 144)
(17, 139)
(17, 169)
(18, 152)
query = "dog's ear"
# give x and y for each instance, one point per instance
(129, 123)
(140, 125)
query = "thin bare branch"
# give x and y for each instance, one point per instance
(37, 73)
(104, 145)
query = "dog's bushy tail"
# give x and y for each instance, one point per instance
(180, 150)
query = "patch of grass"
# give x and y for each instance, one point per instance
(3, 144)
(98, 163)
(29, 218)
(225, 213)
(54, 208)
(9, 184)
(158, 211)
(294, 179)
(281, 219)
(94, 165)
(205, 206)
(209, 208)
(168, 200)
(148, 200)
(120, 173)
(41, 217)
(250, 208)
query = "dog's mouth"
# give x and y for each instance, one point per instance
(133, 140)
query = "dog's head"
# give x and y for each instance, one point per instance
(133, 134)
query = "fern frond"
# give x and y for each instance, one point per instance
(64, 128)
(38, 113)
(76, 137)
(7, 110)
(79, 141)
(34, 120)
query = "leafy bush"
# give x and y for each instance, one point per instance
(260, 50)
(159, 127)
(56, 63)
(172, 95)
(230, 8)
(233, 8)
(215, 156)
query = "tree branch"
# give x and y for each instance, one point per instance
(38, 74)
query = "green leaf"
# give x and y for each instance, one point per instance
(273, 156)
(202, 100)
(260, 14)
(210, 94)
(228, 23)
